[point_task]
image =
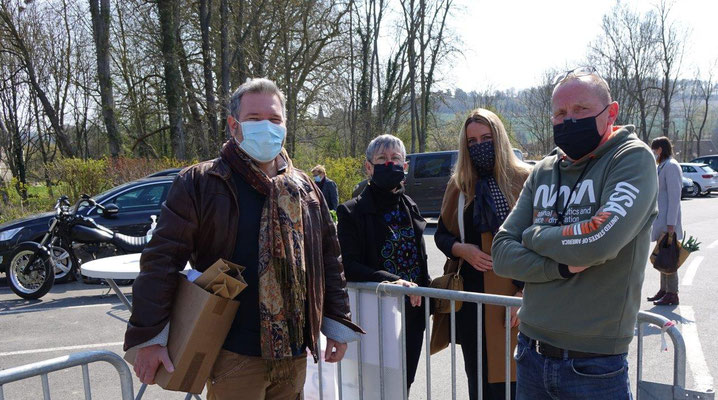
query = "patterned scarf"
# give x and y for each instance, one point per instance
(281, 269)
(490, 205)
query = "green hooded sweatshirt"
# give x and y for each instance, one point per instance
(606, 227)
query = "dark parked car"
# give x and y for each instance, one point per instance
(137, 201)
(711, 160)
(427, 178)
(165, 172)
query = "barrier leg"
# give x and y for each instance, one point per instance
(427, 333)
(453, 350)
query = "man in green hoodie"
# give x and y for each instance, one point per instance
(579, 237)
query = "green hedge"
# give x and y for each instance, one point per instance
(73, 177)
(38, 200)
(346, 172)
(81, 176)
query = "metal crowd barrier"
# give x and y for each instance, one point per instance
(645, 390)
(43, 368)
(653, 390)
(382, 289)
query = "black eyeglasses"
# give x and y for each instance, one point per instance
(577, 72)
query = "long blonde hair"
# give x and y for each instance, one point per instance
(507, 167)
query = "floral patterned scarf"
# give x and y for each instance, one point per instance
(281, 269)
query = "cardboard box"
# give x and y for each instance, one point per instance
(199, 323)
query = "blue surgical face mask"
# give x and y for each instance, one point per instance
(317, 178)
(262, 139)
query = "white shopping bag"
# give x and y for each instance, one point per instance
(392, 350)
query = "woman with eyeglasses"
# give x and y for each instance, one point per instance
(485, 185)
(381, 237)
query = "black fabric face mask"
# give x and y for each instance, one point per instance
(577, 137)
(482, 157)
(388, 176)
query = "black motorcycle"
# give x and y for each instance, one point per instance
(32, 267)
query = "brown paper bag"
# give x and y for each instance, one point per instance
(202, 314)
(221, 266)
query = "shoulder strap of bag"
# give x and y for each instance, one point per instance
(460, 215)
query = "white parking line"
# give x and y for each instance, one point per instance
(48, 350)
(27, 310)
(713, 245)
(702, 379)
(691, 271)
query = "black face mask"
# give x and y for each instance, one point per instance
(577, 137)
(482, 157)
(388, 176)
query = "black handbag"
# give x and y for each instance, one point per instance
(668, 255)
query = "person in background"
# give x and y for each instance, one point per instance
(489, 177)
(670, 184)
(327, 186)
(381, 237)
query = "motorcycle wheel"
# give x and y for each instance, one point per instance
(36, 283)
(65, 265)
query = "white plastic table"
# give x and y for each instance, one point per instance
(126, 266)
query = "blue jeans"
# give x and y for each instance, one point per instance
(540, 377)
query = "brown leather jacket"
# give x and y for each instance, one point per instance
(198, 222)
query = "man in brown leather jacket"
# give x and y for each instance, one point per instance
(249, 206)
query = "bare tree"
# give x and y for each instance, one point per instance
(697, 94)
(135, 79)
(351, 110)
(671, 42)
(534, 116)
(161, 84)
(195, 126)
(16, 43)
(628, 43)
(14, 124)
(224, 62)
(300, 55)
(367, 31)
(168, 13)
(432, 46)
(205, 20)
(100, 11)
(411, 24)
(425, 25)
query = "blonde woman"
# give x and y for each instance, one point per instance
(488, 178)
